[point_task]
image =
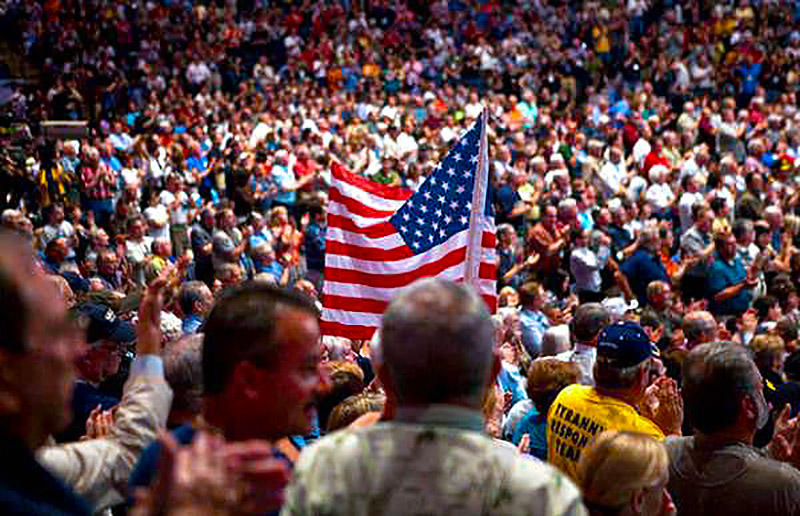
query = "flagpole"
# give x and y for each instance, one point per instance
(476, 216)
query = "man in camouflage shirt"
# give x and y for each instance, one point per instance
(436, 362)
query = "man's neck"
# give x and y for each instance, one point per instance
(723, 438)
(631, 398)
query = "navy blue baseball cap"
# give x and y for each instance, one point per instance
(103, 324)
(626, 344)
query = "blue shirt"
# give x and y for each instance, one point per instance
(314, 246)
(642, 268)
(510, 380)
(274, 268)
(195, 163)
(534, 324)
(282, 178)
(191, 324)
(147, 466)
(260, 238)
(723, 275)
(535, 425)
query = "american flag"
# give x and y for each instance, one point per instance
(382, 238)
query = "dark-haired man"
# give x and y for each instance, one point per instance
(261, 372)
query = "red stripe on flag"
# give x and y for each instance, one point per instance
(396, 280)
(368, 253)
(355, 206)
(355, 304)
(488, 240)
(487, 271)
(387, 192)
(381, 229)
(349, 331)
(491, 302)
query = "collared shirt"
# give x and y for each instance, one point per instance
(534, 324)
(585, 265)
(542, 239)
(191, 324)
(693, 243)
(432, 460)
(642, 268)
(584, 357)
(722, 275)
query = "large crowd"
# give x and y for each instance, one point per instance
(643, 356)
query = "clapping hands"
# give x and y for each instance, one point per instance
(211, 476)
(785, 444)
(664, 405)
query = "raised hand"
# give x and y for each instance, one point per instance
(261, 476)
(191, 480)
(148, 330)
(785, 444)
(99, 423)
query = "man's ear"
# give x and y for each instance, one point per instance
(382, 372)
(497, 366)
(637, 501)
(246, 379)
(9, 399)
(749, 408)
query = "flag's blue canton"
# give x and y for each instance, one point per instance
(442, 205)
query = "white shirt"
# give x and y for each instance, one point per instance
(660, 196)
(613, 177)
(640, 150)
(584, 357)
(688, 199)
(178, 213)
(197, 73)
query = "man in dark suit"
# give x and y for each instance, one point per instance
(39, 344)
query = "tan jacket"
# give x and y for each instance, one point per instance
(98, 469)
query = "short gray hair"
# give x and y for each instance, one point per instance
(555, 340)
(437, 342)
(697, 324)
(183, 370)
(715, 378)
(607, 374)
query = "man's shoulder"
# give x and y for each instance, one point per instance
(740, 461)
(448, 457)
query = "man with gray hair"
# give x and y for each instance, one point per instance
(623, 373)
(699, 327)
(718, 471)
(436, 365)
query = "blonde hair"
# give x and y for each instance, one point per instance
(791, 224)
(616, 465)
(766, 350)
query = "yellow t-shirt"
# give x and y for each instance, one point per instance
(578, 414)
